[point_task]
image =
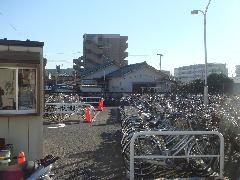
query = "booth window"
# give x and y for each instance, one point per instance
(18, 90)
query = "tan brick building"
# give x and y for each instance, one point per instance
(100, 48)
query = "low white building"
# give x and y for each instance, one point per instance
(189, 73)
(109, 77)
(132, 78)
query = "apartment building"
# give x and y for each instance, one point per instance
(101, 48)
(189, 73)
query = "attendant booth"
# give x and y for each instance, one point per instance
(21, 96)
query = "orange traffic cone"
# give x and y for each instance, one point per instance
(100, 104)
(88, 115)
(21, 157)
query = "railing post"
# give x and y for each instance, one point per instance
(131, 169)
(221, 167)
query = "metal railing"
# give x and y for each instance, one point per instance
(65, 108)
(72, 107)
(176, 133)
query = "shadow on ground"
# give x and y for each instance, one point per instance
(107, 160)
(114, 119)
(103, 162)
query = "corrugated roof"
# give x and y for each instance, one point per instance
(127, 69)
(96, 68)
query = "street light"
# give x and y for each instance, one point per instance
(205, 50)
(160, 59)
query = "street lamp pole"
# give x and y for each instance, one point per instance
(205, 50)
(160, 60)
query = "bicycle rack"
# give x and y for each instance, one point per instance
(132, 157)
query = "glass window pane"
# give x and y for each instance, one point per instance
(26, 89)
(7, 89)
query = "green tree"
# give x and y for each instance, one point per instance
(219, 83)
(194, 87)
(197, 86)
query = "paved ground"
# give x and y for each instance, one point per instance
(87, 151)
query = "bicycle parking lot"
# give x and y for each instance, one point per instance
(101, 149)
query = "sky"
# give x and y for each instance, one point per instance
(152, 26)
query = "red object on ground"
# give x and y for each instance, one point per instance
(21, 157)
(13, 172)
(100, 104)
(88, 115)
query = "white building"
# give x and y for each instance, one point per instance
(237, 71)
(189, 73)
(130, 78)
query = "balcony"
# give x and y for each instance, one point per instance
(125, 62)
(124, 46)
(78, 62)
(125, 55)
(124, 38)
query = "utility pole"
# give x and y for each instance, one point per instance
(160, 64)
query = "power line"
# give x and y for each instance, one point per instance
(15, 29)
(13, 26)
(138, 55)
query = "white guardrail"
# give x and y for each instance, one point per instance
(64, 108)
(176, 133)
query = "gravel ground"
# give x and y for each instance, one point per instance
(87, 151)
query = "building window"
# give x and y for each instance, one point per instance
(26, 89)
(18, 90)
(7, 89)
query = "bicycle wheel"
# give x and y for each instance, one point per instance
(203, 166)
(145, 145)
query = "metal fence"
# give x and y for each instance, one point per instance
(176, 133)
